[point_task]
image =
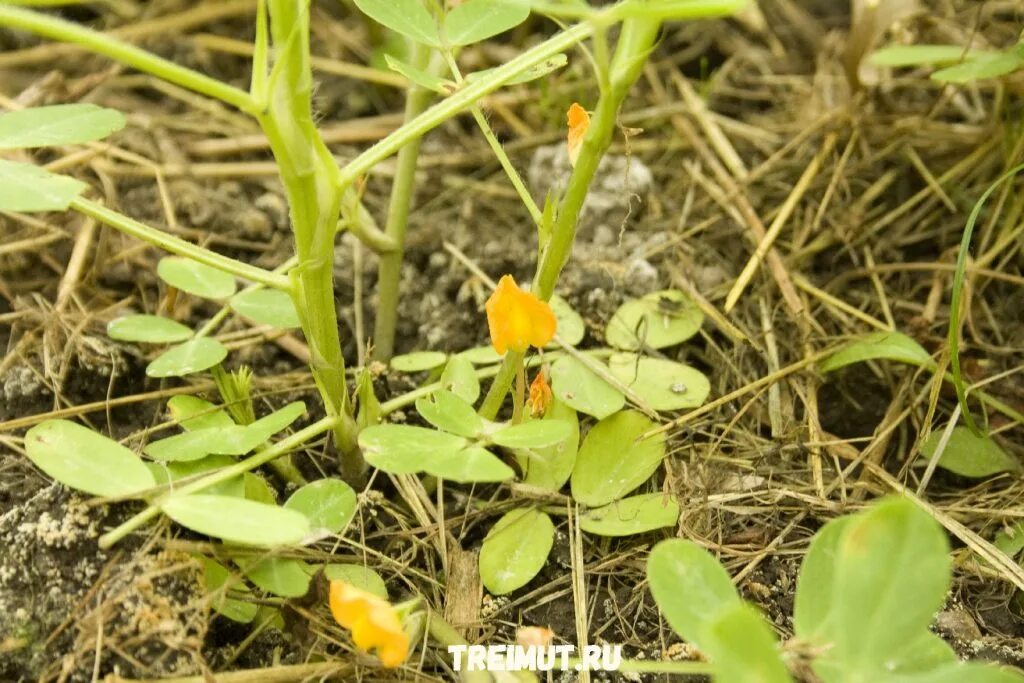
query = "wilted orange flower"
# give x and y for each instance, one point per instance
(579, 121)
(374, 623)
(540, 394)
(534, 636)
(518, 319)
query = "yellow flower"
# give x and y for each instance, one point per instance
(579, 121)
(540, 394)
(374, 623)
(518, 319)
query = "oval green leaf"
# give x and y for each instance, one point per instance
(481, 355)
(418, 361)
(28, 188)
(467, 466)
(460, 378)
(549, 468)
(633, 515)
(328, 504)
(266, 306)
(613, 460)
(194, 413)
(515, 550)
(196, 278)
(403, 449)
(877, 346)
(969, 454)
(236, 519)
(978, 68)
(195, 355)
(84, 460)
(449, 413)
(408, 17)
(175, 471)
(574, 384)
(690, 588)
(149, 329)
(286, 577)
(359, 576)
(658, 320)
(476, 20)
(533, 434)
(59, 124)
(662, 384)
(743, 648)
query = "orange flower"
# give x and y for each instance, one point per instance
(579, 121)
(534, 636)
(518, 319)
(540, 394)
(373, 621)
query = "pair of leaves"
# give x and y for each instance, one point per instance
(468, 23)
(965, 65)
(25, 187)
(699, 602)
(327, 505)
(221, 436)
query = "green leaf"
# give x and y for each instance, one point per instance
(198, 443)
(658, 320)
(515, 550)
(469, 465)
(195, 355)
(236, 519)
(961, 672)
(60, 124)
(680, 9)
(279, 420)
(533, 434)
(549, 468)
(690, 588)
(880, 578)
(662, 384)
(476, 20)
(286, 577)
(418, 361)
(195, 413)
(919, 55)
(460, 378)
(743, 648)
(574, 384)
(150, 329)
(570, 325)
(449, 413)
(893, 346)
(977, 68)
(633, 515)
(176, 471)
(25, 187)
(927, 652)
(613, 461)
(1011, 541)
(481, 355)
(419, 76)
(82, 459)
(359, 576)
(196, 278)
(407, 17)
(549, 65)
(403, 449)
(328, 504)
(217, 580)
(266, 306)
(256, 489)
(969, 455)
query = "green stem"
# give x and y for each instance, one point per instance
(125, 53)
(178, 246)
(635, 41)
(389, 270)
(280, 448)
